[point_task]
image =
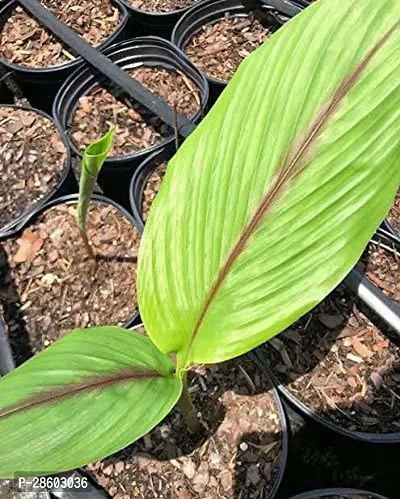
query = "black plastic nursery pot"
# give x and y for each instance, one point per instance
(67, 183)
(40, 85)
(6, 96)
(343, 493)
(382, 307)
(146, 22)
(388, 227)
(73, 199)
(139, 180)
(117, 171)
(284, 423)
(212, 11)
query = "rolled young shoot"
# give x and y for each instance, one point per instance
(93, 159)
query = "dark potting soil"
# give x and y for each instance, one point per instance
(23, 41)
(394, 214)
(152, 187)
(220, 47)
(160, 5)
(32, 160)
(339, 364)
(238, 457)
(382, 267)
(136, 128)
(57, 286)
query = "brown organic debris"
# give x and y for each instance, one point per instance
(32, 160)
(23, 40)
(239, 456)
(161, 5)
(354, 380)
(220, 47)
(48, 274)
(152, 187)
(137, 128)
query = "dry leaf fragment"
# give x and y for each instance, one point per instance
(29, 244)
(361, 349)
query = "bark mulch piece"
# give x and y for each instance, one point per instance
(56, 283)
(23, 41)
(160, 5)
(238, 457)
(32, 160)
(136, 128)
(394, 214)
(339, 364)
(220, 47)
(152, 187)
(382, 267)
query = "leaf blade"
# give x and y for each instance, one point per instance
(113, 398)
(224, 169)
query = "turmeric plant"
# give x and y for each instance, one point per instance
(263, 210)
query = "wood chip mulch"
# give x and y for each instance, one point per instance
(382, 267)
(394, 214)
(136, 128)
(151, 188)
(338, 363)
(23, 41)
(48, 284)
(32, 160)
(160, 5)
(219, 48)
(238, 458)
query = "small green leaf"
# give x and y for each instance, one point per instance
(93, 159)
(270, 202)
(83, 398)
(96, 153)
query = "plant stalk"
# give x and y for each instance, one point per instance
(188, 410)
(85, 240)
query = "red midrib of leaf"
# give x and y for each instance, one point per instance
(66, 391)
(292, 165)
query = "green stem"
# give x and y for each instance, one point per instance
(188, 410)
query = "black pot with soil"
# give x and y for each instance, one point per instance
(242, 452)
(37, 60)
(49, 283)
(35, 165)
(217, 35)
(86, 109)
(339, 364)
(156, 17)
(380, 263)
(338, 494)
(146, 183)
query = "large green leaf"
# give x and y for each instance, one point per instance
(85, 397)
(270, 202)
